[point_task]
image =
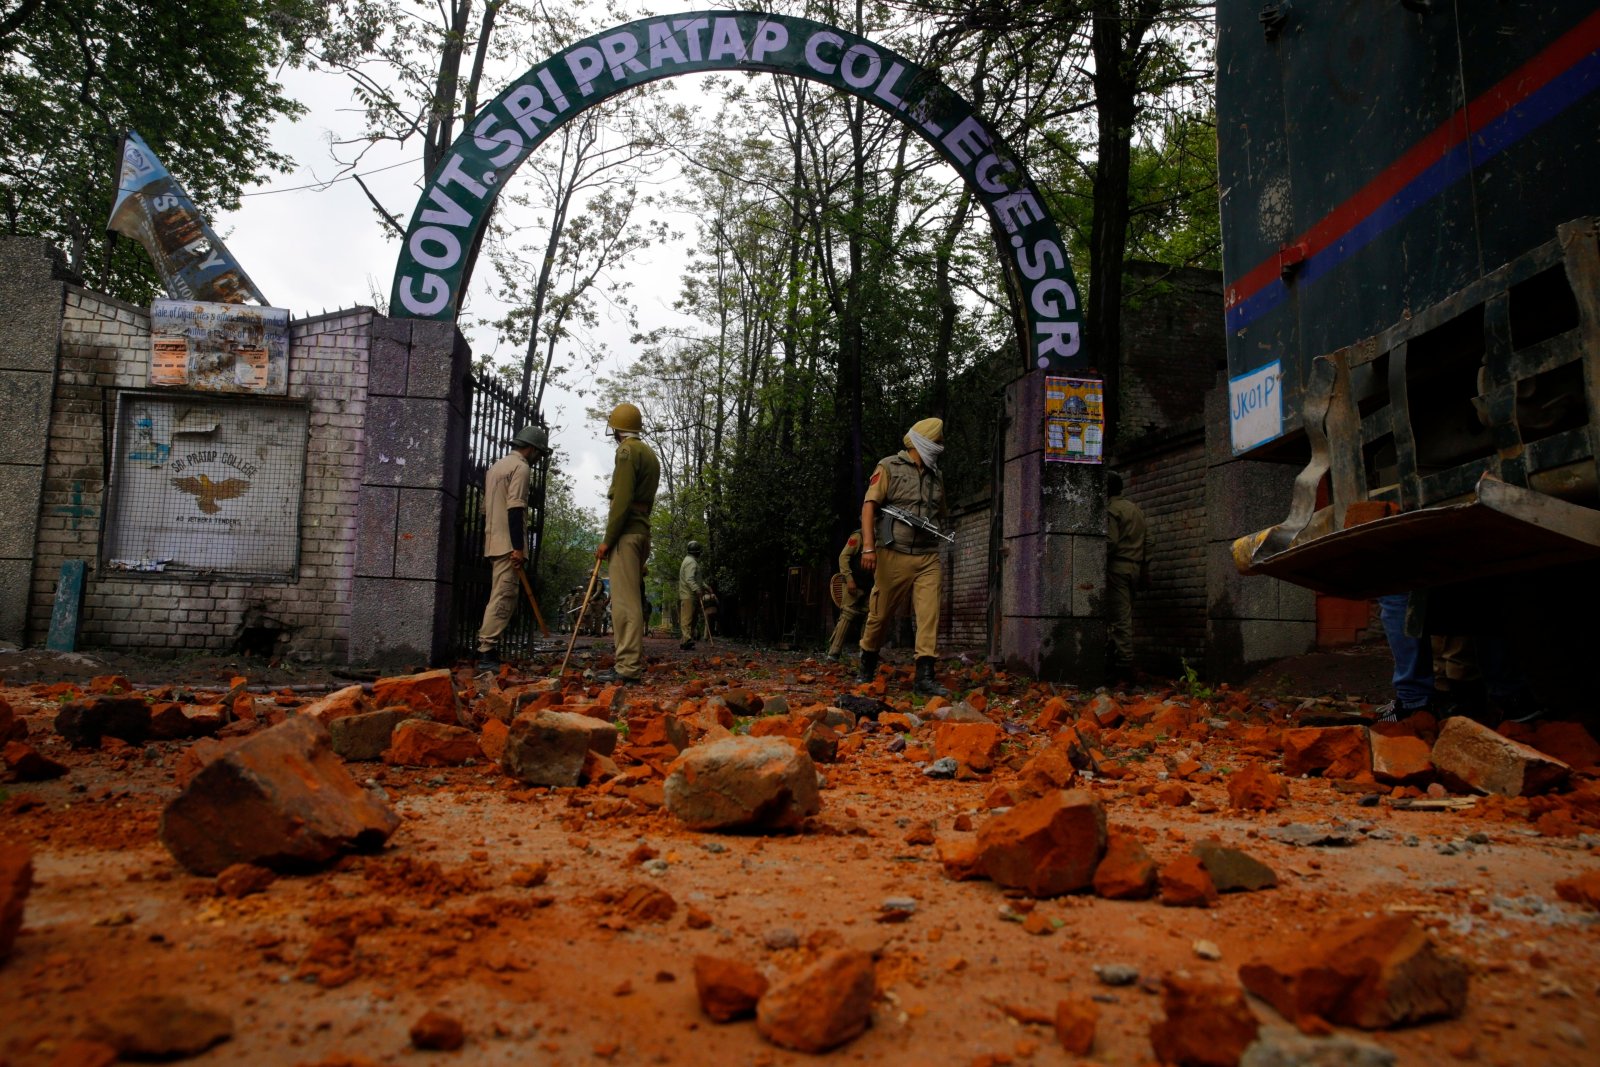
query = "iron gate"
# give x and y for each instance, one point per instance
(493, 416)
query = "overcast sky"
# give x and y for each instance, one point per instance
(309, 248)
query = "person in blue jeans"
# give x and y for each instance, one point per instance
(1413, 661)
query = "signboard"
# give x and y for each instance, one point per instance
(206, 485)
(1074, 420)
(152, 208)
(455, 206)
(1255, 406)
(229, 348)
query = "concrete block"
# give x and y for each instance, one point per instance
(31, 292)
(1073, 498)
(405, 442)
(1024, 511)
(24, 416)
(392, 329)
(1088, 576)
(420, 536)
(1243, 497)
(1022, 576)
(1025, 401)
(1231, 595)
(376, 511)
(19, 488)
(387, 367)
(392, 621)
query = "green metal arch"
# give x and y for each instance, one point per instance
(454, 206)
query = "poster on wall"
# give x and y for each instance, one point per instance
(226, 348)
(1074, 420)
(206, 486)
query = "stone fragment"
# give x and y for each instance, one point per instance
(1568, 742)
(339, 704)
(821, 1006)
(548, 747)
(1049, 770)
(1279, 1046)
(1400, 760)
(437, 1032)
(84, 722)
(11, 727)
(1471, 756)
(16, 879)
(821, 743)
(1174, 794)
(1055, 714)
(81, 1053)
(1581, 889)
(1233, 871)
(1076, 1019)
(1332, 751)
(728, 989)
(963, 712)
(758, 783)
(944, 769)
(1185, 884)
(1254, 788)
(1205, 1024)
(1372, 973)
(430, 695)
(420, 743)
(364, 735)
(1126, 872)
(493, 739)
(243, 879)
(1116, 974)
(1047, 846)
(279, 799)
(24, 763)
(959, 856)
(159, 1027)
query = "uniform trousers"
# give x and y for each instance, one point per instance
(502, 602)
(900, 576)
(853, 608)
(687, 607)
(627, 601)
(1120, 576)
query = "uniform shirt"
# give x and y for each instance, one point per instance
(633, 489)
(919, 490)
(505, 486)
(1127, 540)
(688, 578)
(850, 563)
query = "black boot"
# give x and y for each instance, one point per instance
(926, 683)
(868, 670)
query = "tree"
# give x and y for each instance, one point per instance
(195, 79)
(566, 551)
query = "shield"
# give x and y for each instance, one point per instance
(837, 585)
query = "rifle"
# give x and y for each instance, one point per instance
(916, 521)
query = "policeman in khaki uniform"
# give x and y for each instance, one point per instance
(627, 540)
(904, 560)
(505, 514)
(690, 586)
(857, 585)
(1127, 563)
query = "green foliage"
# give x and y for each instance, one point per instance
(1192, 684)
(194, 79)
(566, 553)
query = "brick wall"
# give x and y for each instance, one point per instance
(1167, 479)
(105, 347)
(964, 616)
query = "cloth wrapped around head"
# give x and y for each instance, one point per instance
(927, 437)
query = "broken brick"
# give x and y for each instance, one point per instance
(821, 1006)
(419, 743)
(1126, 872)
(430, 694)
(760, 783)
(728, 989)
(1047, 846)
(1204, 1024)
(1471, 756)
(1332, 751)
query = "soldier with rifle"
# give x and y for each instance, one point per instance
(900, 546)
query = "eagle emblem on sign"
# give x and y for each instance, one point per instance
(207, 492)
